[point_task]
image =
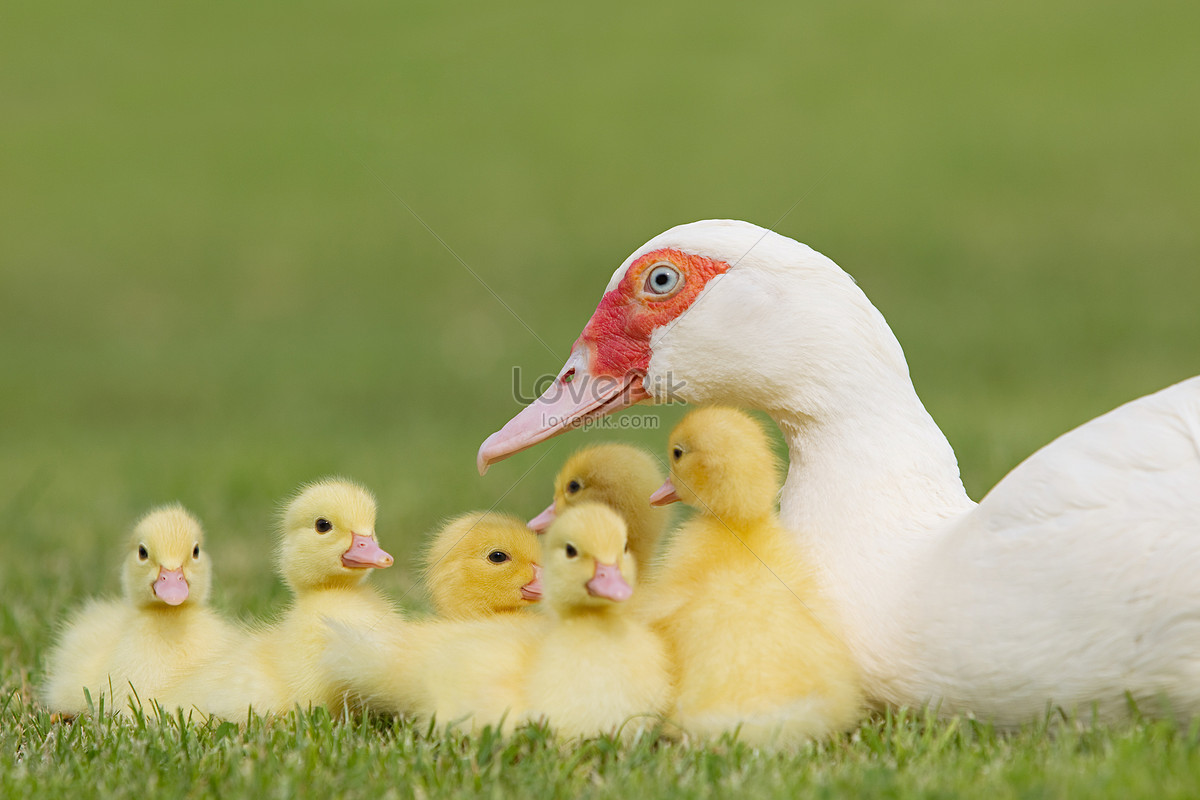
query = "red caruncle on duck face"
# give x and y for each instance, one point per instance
(655, 290)
(611, 357)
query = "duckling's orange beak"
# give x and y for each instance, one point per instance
(542, 521)
(664, 495)
(533, 590)
(364, 553)
(609, 583)
(171, 587)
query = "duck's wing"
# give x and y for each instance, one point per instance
(1131, 473)
(1074, 581)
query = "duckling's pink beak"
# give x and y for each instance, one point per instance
(171, 587)
(542, 521)
(365, 552)
(533, 589)
(609, 583)
(664, 495)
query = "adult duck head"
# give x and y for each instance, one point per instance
(722, 311)
(713, 311)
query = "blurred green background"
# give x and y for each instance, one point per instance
(212, 289)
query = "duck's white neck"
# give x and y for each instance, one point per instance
(871, 484)
(872, 480)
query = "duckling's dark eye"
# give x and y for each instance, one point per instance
(573, 487)
(323, 525)
(143, 554)
(677, 452)
(498, 556)
(196, 551)
(571, 551)
(627, 547)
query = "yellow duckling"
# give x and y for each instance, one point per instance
(596, 669)
(755, 645)
(151, 640)
(327, 550)
(619, 476)
(483, 563)
(463, 673)
(582, 664)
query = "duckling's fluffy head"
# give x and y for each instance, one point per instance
(722, 463)
(586, 560)
(620, 476)
(165, 563)
(483, 563)
(617, 475)
(328, 536)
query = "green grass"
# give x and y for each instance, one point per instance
(212, 291)
(312, 755)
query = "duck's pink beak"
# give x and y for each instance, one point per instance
(533, 589)
(171, 587)
(664, 495)
(575, 397)
(542, 521)
(609, 583)
(365, 552)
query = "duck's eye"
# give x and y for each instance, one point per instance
(196, 551)
(626, 547)
(663, 279)
(571, 551)
(677, 452)
(574, 486)
(323, 525)
(143, 554)
(498, 556)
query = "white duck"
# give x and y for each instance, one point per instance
(1073, 582)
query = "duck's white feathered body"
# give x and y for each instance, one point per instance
(1071, 583)
(1075, 578)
